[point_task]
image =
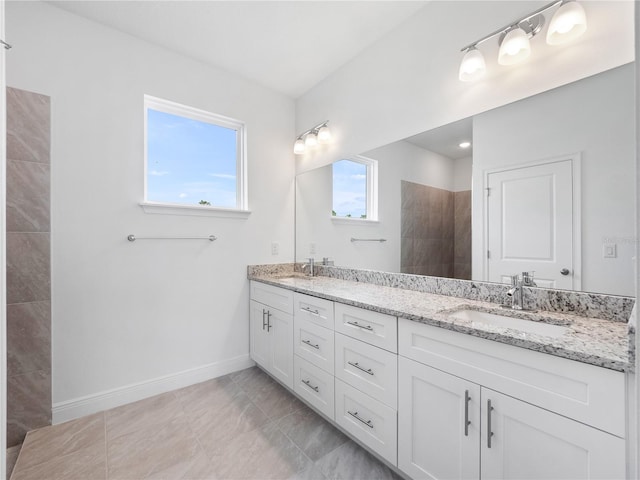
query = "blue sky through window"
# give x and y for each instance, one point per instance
(349, 189)
(189, 161)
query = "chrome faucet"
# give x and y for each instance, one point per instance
(310, 266)
(516, 293)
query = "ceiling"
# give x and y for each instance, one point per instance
(287, 46)
(445, 140)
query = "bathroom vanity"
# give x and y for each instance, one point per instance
(446, 387)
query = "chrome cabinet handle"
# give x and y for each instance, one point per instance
(313, 312)
(264, 324)
(357, 365)
(467, 422)
(269, 321)
(308, 384)
(489, 432)
(308, 342)
(365, 327)
(565, 271)
(359, 418)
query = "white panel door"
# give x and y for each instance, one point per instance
(530, 224)
(433, 408)
(280, 326)
(527, 442)
(259, 343)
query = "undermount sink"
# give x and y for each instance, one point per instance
(528, 326)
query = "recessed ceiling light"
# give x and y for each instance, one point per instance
(465, 145)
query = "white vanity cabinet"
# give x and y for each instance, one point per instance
(271, 330)
(313, 346)
(475, 408)
(366, 370)
(438, 423)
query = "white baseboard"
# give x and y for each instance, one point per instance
(79, 407)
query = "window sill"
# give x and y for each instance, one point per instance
(354, 221)
(194, 210)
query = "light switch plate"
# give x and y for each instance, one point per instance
(609, 250)
(312, 248)
(275, 248)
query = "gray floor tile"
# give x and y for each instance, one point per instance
(311, 433)
(265, 453)
(352, 462)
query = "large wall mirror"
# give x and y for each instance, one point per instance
(547, 184)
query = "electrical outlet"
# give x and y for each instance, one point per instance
(275, 248)
(312, 248)
(609, 250)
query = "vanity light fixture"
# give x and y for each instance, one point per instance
(568, 23)
(320, 134)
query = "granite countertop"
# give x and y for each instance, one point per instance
(603, 343)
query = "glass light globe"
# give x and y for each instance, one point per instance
(298, 147)
(324, 135)
(567, 24)
(515, 47)
(311, 140)
(472, 66)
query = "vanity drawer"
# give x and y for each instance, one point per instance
(371, 422)
(370, 369)
(279, 298)
(314, 385)
(314, 309)
(372, 327)
(313, 343)
(586, 393)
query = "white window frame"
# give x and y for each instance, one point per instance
(241, 210)
(372, 191)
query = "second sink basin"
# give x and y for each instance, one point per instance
(528, 326)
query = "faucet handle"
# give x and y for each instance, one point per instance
(527, 279)
(515, 279)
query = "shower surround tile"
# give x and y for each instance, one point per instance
(28, 254)
(28, 197)
(28, 126)
(29, 335)
(29, 404)
(28, 267)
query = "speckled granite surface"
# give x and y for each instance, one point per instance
(600, 342)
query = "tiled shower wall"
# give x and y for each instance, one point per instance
(28, 264)
(436, 231)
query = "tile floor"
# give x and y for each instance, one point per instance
(240, 426)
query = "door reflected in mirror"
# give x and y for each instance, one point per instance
(547, 184)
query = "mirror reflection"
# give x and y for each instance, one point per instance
(547, 184)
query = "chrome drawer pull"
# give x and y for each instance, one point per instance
(313, 312)
(369, 371)
(489, 432)
(308, 342)
(467, 422)
(264, 323)
(357, 417)
(365, 327)
(308, 384)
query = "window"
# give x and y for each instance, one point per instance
(193, 159)
(355, 189)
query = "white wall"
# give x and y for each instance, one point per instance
(462, 171)
(595, 117)
(129, 313)
(407, 82)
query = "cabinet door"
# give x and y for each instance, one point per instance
(259, 344)
(527, 442)
(280, 326)
(433, 407)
